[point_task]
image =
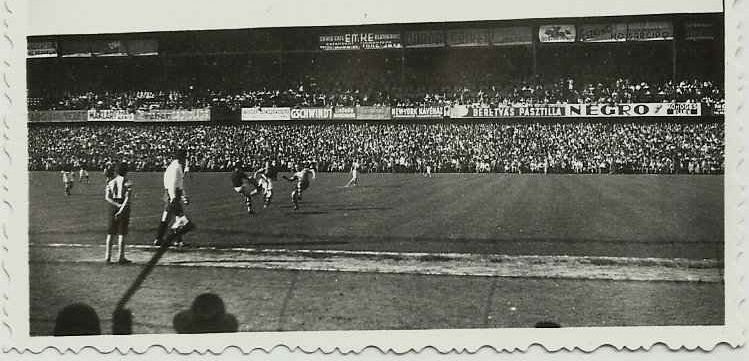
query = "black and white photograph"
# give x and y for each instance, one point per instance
(498, 171)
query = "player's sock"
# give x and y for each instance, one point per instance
(108, 251)
(248, 203)
(121, 247)
(160, 232)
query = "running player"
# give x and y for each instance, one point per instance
(269, 174)
(354, 174)
(302, 177)
(245, 185)
(67, 179)
(118, 194)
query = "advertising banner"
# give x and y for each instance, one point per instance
(358, 41)
(143, 47)
(372, 113)
(635, 110)
(699, 31)
(41, 49)
(650, 30)
(556, 33)
(719, 109)
(602, 32)
(425, 39)
(437, 112)
(511, 35)
(312, 113)
(108, 48)
(107, 115)
(344, 113)
(508, 111)
(75, 49)
(50, 116)
(468, 37)
(276, 113)
(167, 115)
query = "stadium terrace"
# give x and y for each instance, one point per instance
(489, 96)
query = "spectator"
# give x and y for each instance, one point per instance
(617, 147)
(78, 319)
(206, 315)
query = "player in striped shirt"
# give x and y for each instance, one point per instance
(302, 177)
(118, 194)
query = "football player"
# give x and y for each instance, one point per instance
(118, 194)
(302, 177)
(174, 198)
(245, 185)
(354, 174)
(67, 179)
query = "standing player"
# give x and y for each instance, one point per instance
(67, 179)
(118, 194)
(82, 173)
(174, 198)
(354, 174)
(108, 171)
(302, 177)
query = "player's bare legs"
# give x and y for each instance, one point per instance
(108, 251)
(121, 247)
(296, 196)
(267, 198)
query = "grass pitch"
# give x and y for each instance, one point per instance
(585, 215)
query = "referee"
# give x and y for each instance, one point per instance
(174, 198)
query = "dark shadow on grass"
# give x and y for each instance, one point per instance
(234, 260)
(303, 212)
(353, 209)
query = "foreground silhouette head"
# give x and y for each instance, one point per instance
(206, 315)
(78, 319)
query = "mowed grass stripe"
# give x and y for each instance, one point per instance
(456, 264)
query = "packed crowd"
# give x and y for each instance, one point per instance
(305, 95)
(617, 147)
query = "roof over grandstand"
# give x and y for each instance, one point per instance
(55, 17)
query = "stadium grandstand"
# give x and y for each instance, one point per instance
(627, 94)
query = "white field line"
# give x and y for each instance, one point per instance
(457, 264)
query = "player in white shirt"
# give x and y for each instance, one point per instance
(354, 174)
(302, 177)
(82, 173)
(67, 180)
(174, 198)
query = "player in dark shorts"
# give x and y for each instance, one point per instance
(118, 194)
(245, 185)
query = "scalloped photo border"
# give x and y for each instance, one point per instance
(14, 293)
